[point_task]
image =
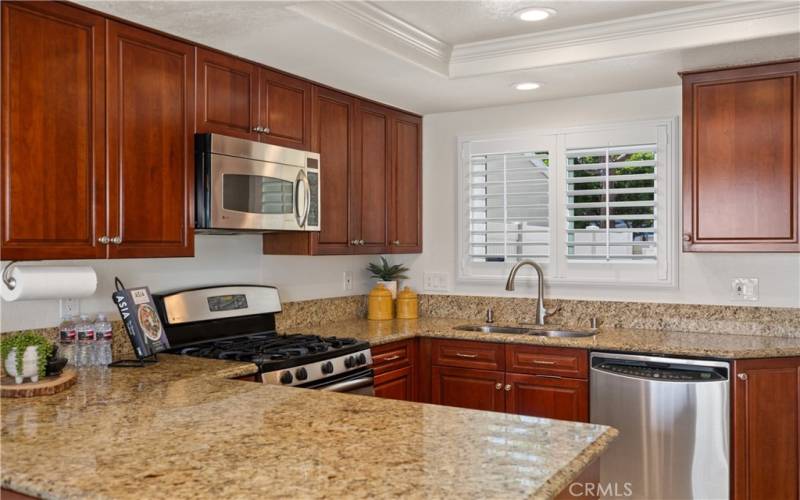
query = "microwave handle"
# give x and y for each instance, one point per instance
(301, 220)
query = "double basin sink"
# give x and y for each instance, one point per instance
(539, 332)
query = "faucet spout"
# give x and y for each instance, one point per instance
(541, 312)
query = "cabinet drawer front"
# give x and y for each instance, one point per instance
(566, 362)
(392, 356)
(467, 354)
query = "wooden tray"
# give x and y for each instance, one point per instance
(44, 387)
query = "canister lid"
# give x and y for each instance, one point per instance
(380, 291)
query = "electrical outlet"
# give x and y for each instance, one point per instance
(744, 288)
(69, 307)
(348, 280)
(436, 282)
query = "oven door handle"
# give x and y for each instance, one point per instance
(301, 218)
(350, 385)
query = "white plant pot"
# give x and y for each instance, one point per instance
(30, 365)
(391, 286)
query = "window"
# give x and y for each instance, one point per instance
(509, 214)
(592, 205)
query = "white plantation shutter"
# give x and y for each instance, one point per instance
(508, 206)
(611, 203)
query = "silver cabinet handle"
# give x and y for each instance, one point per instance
(116, 240)
(508, 387)
(103, 240)
(462, 355)
(540, 362)
(742, 376)
(391, 358)
(498, 386)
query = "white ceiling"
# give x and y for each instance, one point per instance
(441, 56)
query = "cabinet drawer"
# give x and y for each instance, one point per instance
(566, 362)
(388, 357)
(467, 354)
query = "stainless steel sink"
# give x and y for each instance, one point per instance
(525, 331)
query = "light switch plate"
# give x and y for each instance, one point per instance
(744, 288)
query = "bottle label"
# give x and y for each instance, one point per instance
(67, 335)
(107, 335)
(86, 335)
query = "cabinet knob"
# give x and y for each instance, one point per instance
(396, 242)
(742, 376)
(361, 242)
(265, 130)
(508, 387)
(116, 240)
(687, 237)
(103, 240)
(498, 386)
(354, 242)
(256, 129)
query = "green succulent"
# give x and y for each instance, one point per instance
(386, 272)
(20, 342)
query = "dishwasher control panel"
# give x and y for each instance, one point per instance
(678, 371)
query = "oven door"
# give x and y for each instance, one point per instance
(358, 382)
(259, 196)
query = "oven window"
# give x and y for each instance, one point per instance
(257, 194)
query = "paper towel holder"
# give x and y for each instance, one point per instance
(10, 282)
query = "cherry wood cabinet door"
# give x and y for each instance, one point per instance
(333, 136)
(740, 165)
(405, 216)
(150, 143)
(547, 396)
(396, 384)
(468, 388)
(766, 424)
(370, 182)
(227, 95)
(53, 132)
(285, 112)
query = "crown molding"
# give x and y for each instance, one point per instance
(371, 24)
(720, 22)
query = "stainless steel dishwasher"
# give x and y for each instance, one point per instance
(673, 417)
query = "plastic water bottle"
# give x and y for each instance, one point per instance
(103, 336)
(86, 343)
(66, 339)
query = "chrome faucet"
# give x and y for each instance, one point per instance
(541, 312)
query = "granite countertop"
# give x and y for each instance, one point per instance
(179, 429)
(616, 339)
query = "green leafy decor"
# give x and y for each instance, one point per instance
(20, 342)
(386, 272)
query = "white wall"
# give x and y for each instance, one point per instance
(218, 259)
(703, 278)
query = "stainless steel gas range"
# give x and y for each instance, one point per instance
(237, 322)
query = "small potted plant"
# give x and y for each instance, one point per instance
(387, 274)
(25, 355)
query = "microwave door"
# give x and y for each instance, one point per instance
(254, 195)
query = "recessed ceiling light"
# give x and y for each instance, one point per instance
(526, 86)
(535, 14)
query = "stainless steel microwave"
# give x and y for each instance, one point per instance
(247, 186)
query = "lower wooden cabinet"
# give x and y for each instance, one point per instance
(395, 367)
(468, 388)
(766, 425)
(547, 396)
(396, 384)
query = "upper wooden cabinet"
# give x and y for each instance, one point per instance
(240, 99)
(227, 95)
(150, 132)
(741, 180)
(405, 216)
(53, 140)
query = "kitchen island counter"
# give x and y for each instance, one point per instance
(179, 429)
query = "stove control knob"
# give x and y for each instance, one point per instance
(286, 378)
(361, 359)
(350, 361)
(327, 367)
(301, 374)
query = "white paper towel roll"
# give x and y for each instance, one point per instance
(50, 282)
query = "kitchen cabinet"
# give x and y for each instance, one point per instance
(150, 135)
(395, 366)
(741, 179)
(53, 180)
(548, 396)
(469, 388)
(285, 110)
(227, 95)
(766, 424)
(405, 217)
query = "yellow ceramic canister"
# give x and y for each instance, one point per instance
(407, 304)
(380, 303)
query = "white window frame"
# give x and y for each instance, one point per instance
(558, 270)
